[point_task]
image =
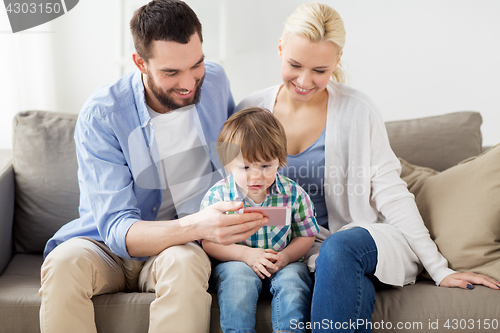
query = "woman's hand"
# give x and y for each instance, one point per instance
(261, 261)
(468, 279)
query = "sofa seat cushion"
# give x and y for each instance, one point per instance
(129, 312)
(426, 303)
(20, 302)
(114, 313)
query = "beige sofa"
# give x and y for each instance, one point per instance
(39, 193)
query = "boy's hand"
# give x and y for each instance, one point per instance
(261, 261)
(282, 260)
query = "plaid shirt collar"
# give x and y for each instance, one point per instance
(279, 186)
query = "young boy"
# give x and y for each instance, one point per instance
(252, 146)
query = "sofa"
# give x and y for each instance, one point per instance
(39, 193)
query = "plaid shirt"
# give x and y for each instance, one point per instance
(283, 192)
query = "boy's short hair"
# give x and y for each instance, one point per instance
(166, 20)
(257, 133)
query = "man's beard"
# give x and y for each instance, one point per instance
(165, 98)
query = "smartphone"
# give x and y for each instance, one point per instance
(278, 216)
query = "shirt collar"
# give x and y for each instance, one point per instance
(138, 87)
(278, 187)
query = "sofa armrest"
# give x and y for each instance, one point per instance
(6, 207)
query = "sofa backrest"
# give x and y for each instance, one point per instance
(45, 166)
(438, 142)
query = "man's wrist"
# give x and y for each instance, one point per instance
(191, 225)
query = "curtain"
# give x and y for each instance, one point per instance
(27, 79)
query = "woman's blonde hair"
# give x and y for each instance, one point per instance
(257, 133)
(317, 22)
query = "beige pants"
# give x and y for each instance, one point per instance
(81, 268)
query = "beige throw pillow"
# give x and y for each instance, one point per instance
(461, 208)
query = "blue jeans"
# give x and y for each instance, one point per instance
(344, 289)
(238, 288)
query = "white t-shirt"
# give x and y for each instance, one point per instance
(183, 161)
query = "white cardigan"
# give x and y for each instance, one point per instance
(363, 187)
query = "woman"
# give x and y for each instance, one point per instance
(339, 151)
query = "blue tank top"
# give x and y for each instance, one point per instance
(307, 169)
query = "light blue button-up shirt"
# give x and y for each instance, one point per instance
(117, 157)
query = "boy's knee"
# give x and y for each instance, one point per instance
(236, 273)
(295, 269)
(294, 274)
(235, 269)
(237, 279)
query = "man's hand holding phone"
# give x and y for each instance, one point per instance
(278, 216)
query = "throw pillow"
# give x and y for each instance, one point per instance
(461, 208)
(45, 168)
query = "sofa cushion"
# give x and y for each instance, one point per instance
(114, 313)
(424, 307)
(20, 302)
(45, 168)
(460, 207)
(418, 305)
(438, 142)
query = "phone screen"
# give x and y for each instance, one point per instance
(278, 216)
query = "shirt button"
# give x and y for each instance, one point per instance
(154, 209)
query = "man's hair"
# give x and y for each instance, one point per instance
(165, 20)
(257, 133)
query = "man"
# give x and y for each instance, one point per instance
(135, 139)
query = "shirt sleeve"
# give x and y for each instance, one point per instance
(212, 196)
(219, 87)
(397, 204)
(106, 181)
(304, 222)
